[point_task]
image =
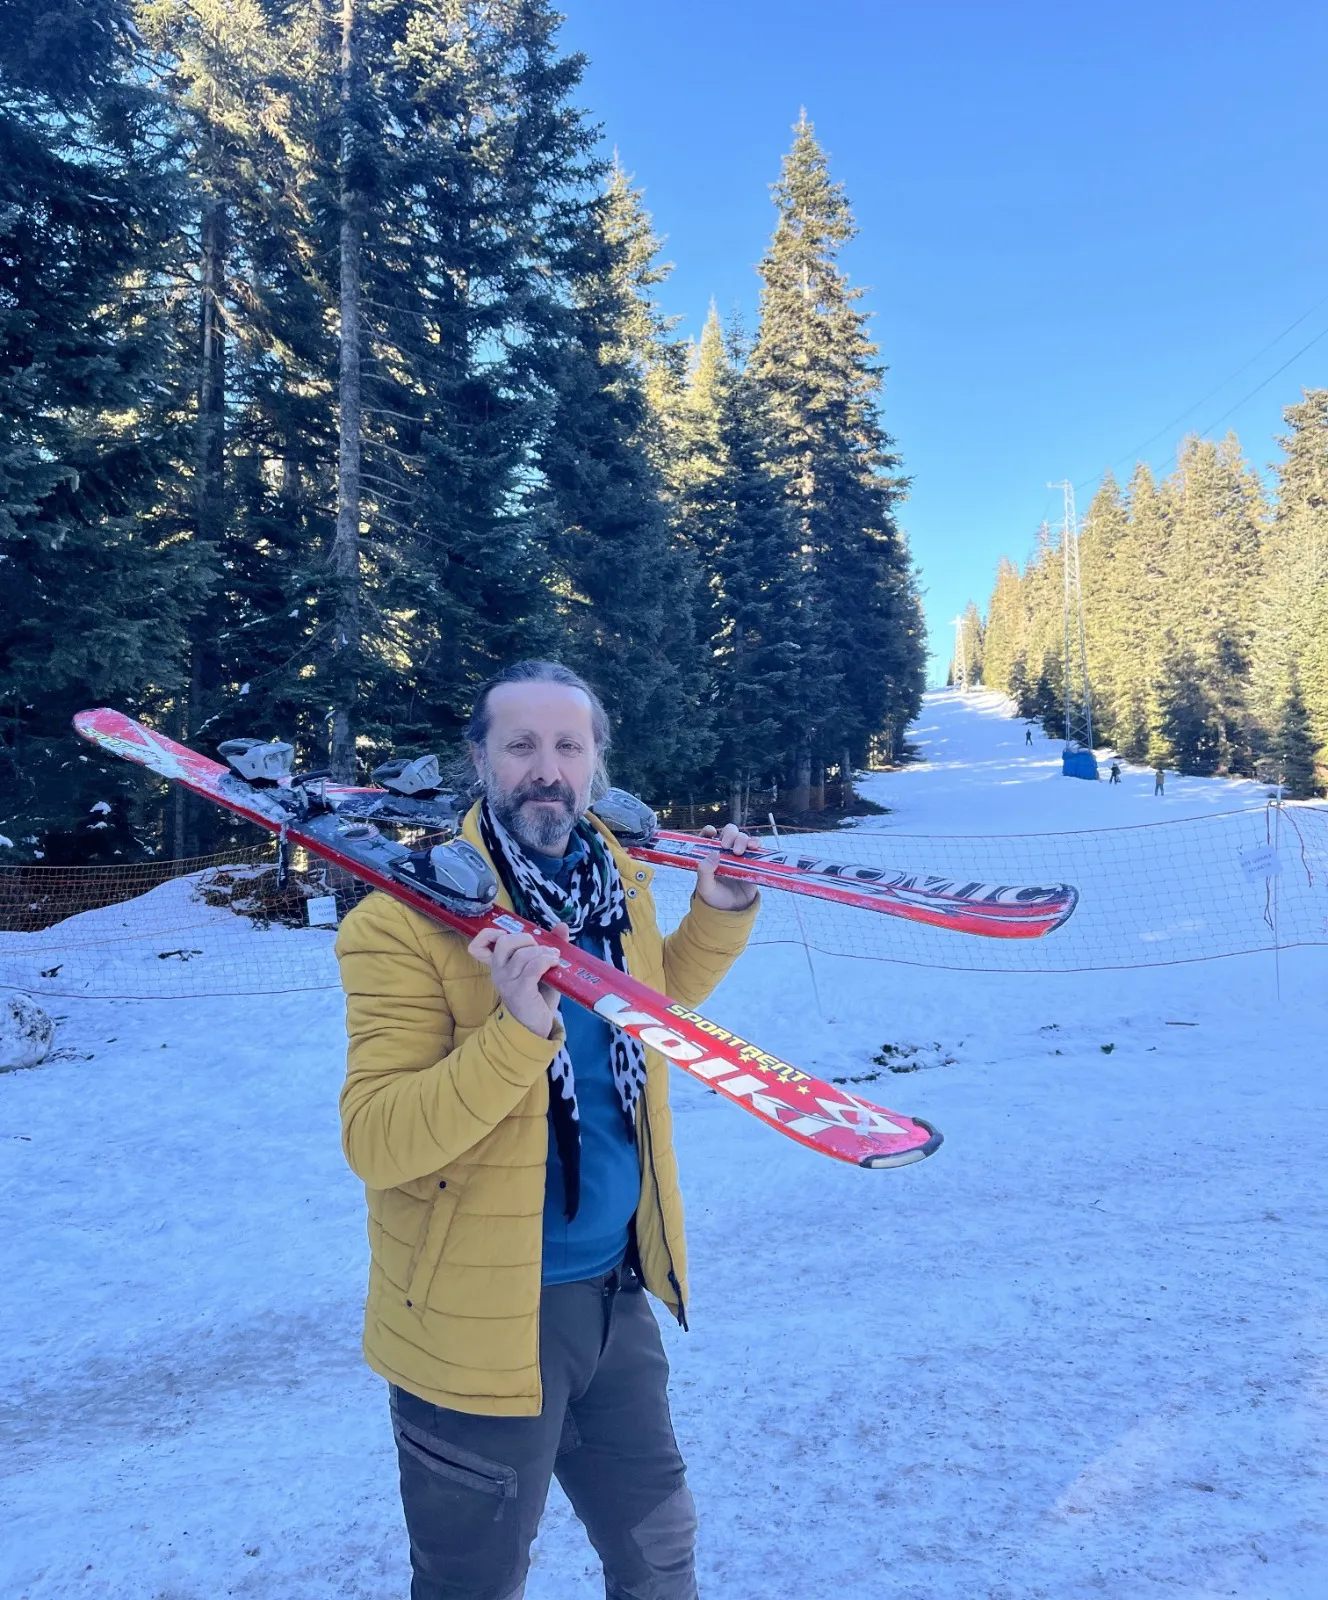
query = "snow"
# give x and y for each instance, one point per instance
(168, 944)
(979, 777)
(25, 1033)
(1081, 1352)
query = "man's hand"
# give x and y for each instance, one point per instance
(517, 965)
(725, 894)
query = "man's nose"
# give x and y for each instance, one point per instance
(544, 767)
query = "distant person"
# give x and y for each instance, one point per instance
(1159, 781)
(1028, 735)
(1115, 772)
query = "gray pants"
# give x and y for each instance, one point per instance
(473, 1488)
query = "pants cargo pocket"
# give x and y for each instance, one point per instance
(461, 1515)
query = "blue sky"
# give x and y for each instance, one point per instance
(1076, 221)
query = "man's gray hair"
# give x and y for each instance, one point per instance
(477, 730)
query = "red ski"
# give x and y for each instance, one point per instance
(801, 1106)
(992, 910)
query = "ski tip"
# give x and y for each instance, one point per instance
(906, 1158)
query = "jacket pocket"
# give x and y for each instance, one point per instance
(429, 1246)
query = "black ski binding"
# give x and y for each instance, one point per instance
(627, 818)
(308, 792)
(267, 764)
(260, 762)
(419, 779)
(412, 797)
(455, 874)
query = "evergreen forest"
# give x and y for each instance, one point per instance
(334, 376)
(1205, 609)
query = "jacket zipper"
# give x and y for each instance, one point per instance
(659, 1202)
(654, 1175)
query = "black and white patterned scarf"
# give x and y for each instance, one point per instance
(593, 903)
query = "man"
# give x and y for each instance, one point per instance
(1159, 780)
(1028, 735)
(520, 1175)
(1115, 772)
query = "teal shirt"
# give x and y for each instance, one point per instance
(596, 1238)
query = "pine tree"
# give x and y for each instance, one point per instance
(97, 588)
(630, 612)
(1139, 642)
(817, 364)
(1044, 592)
(1021, 691)
(475, 184)
(1108, 615)
(1047, 701)
(647, 339)
(1004, 641)
(974, 639)
(735, 511)
(1188, 731)
(1295, 749)
(1291, 621)
(249, 86)
(1200, 610)
(1217, 515)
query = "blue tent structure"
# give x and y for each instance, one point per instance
(1077, 763)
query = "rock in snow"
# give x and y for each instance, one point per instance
(25, 1033)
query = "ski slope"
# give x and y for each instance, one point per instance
(1082, 1352)
(980, 777)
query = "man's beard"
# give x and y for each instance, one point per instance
(542, 831)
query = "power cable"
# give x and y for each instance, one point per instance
(1239, 403)
(1132, 455)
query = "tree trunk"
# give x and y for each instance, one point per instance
(345, 554)
(816, 798)
(210, 506)
(799, 795)
(737, 810)
(846, 795)
(197, 824)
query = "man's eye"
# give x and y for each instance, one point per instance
(569, 749)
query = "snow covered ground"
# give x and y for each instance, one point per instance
(1082, 1352)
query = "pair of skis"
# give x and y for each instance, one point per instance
(455, 890)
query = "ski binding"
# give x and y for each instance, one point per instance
(629, 819)
(454, 874)
(261, 762)
(420, 779)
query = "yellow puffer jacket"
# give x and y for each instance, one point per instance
(444, 1117)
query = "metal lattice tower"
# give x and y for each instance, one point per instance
(960, 655)
(1078, 689)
